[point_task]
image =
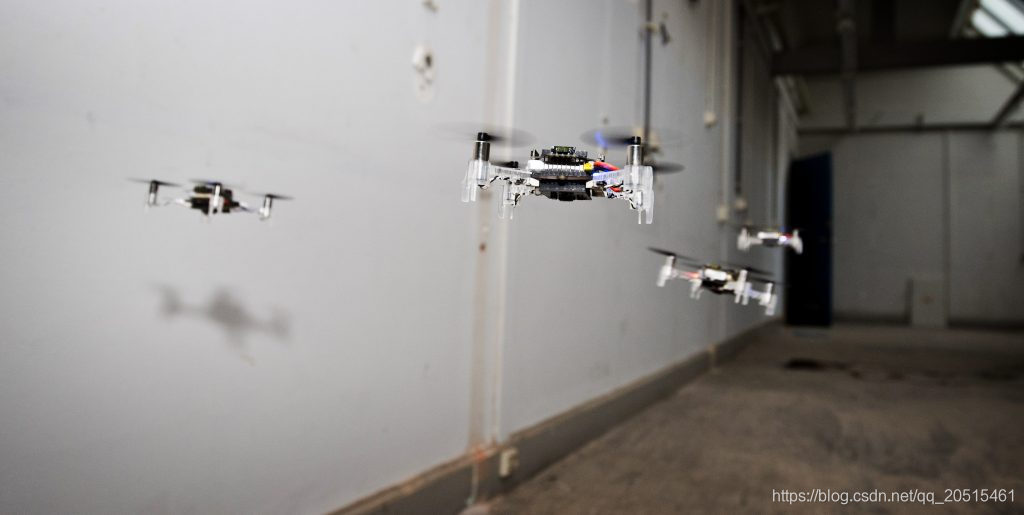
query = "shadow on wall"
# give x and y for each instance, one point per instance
(230, 314)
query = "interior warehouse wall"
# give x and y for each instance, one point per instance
(767, 143)
(376, 327)
(943, 206)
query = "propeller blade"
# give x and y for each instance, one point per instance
(277, 196)
(766, 280)
(610, 137)
(663, 168)
(208, 182)
(661, 251)
(751, 271)
(679, 257)
(495, 134)
(621, 136)
(157, 181)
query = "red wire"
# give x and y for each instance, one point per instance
(608, 166)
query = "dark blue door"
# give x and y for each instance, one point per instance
(809, 209)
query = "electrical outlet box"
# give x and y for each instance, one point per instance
(723, 213)
(508, 461)
(740, 204)
(927, 302)
(424, 72)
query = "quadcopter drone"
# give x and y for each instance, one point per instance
(769, 238)
(563, 173)
(209, 197)
(719, 280)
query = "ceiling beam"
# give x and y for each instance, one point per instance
(829, 60)
(908, 128)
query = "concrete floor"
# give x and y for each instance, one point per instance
(856, 409)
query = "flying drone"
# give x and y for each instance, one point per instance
(563, 173)
(209, 197)
(769, 238)
(719, 280)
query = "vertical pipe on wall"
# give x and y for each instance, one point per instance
(490, 281)
(947, 220)
(782, 127)
(727, 87)
(773, 158)
(725, 111)
(482, 272)
(741, 47)
(648, 33)
(711, 64)
(1020, 188)
(511, 66)
(847, 29)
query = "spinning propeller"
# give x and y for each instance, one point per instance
(158, 182)
(679, 257)
(620, 137)
(752, 272)
(494, 134)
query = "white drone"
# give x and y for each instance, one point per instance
(769, 238)
(209, 197)
(563, 173)
(719, 280)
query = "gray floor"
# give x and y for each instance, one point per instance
(857, 409)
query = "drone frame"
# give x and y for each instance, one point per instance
(770, 238)
(634, 182)
(216, 199)
(735, 282)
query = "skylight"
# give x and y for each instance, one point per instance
(987, 25)
(1006, 13)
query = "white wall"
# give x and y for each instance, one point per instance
(943, 206)
(405, 345)
(987, 228)
(961, 94)
(889, 221)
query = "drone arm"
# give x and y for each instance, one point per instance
(639, 181)
(796, 242)
(167, 202)
(153, 198)
(242, 206)
(747, 291)
(769, 306)
(741, 288)
(478, 174)
(481, 173)
(511, 192)
(766, 298)
(743, 240)
(636, 183)
(695, 289)
(668, 271)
